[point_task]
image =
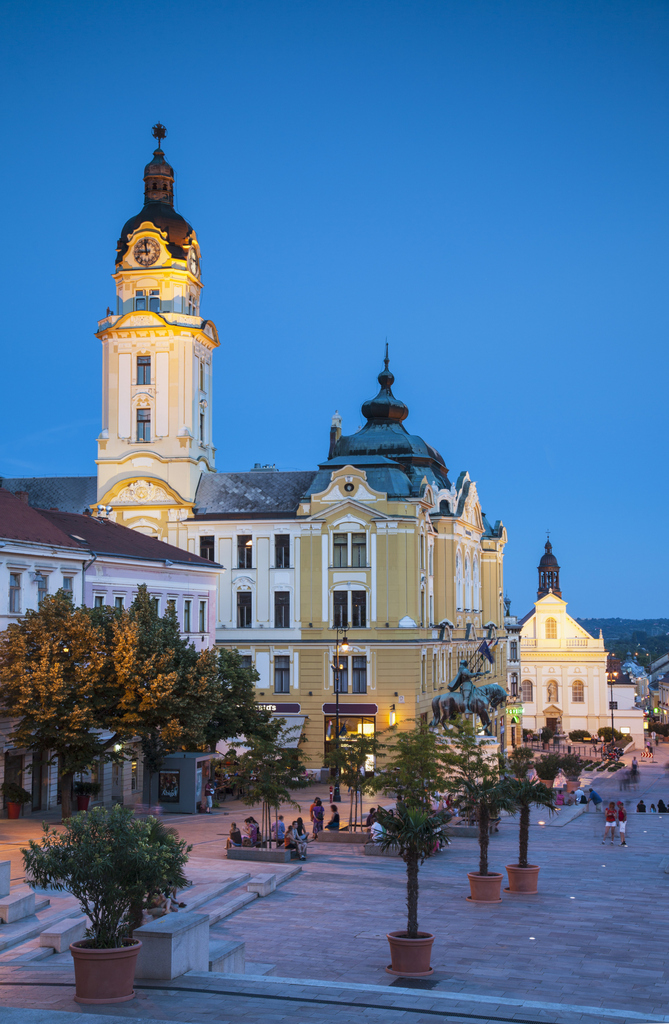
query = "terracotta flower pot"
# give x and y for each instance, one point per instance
(104, 975)
(83, 802)
(485, 888)
(572, 785)
(547, 782)
(410, 958)
(522, 879)
(13, 810)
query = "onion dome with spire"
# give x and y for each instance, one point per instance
(158, 206)
(395, 461)
(549, 573)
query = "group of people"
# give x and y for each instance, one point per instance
(615, 817)
(293, 837)
(660, 809)
(317, 816)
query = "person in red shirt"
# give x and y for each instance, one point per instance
(611, 822)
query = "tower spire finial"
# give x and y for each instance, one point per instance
(386, 360)
(159, 131)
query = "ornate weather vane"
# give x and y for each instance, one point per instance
(159, 131)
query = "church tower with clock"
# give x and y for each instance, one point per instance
(156, 438)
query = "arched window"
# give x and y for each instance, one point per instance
(578, 692)
(526, 691)
(459, 589)
(552, 692)
(476, 585)
(551, 629)
(468, 584)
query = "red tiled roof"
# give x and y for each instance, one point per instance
(18, 521)
(104, 537)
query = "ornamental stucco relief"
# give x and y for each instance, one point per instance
(141, 492)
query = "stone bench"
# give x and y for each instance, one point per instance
(173, 945)
(327, 836)
(5, 874)
(16, 906)
(279, 856)
(60, 935)
(227, 957)
(263, 885)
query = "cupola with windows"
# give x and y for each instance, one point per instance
(549, 573)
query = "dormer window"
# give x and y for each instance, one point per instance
(143, 369)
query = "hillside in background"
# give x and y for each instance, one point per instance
(647, 638)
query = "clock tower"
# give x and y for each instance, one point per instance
(156, 437)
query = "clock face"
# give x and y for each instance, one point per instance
(146, 251)
(192, 262)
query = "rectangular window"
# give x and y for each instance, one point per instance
(359, 609)
(15, 592)
(281, 609)
(359, 549)
(513, 650)
(143, 369)
(340, 609)
(203, 617)
(359, 675)
(207, 548)
(140, 299)
(340, 553)
(119, 603)
(202, 387)
(341, 675)
(171, 606)
(154, 300)
(282, 551)
(68, 585)
(143, 424)
(155, 605)
(244, 552)
(133, 775)
(247, 661)
(243, 609)
(202, 425)
(42, 588)
(99, 601)
(187, 616)
(282, 674)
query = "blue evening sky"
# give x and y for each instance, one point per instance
(484, 183)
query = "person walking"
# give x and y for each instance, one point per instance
(610, 823)
(318, 815)
(209, 796)
(622, 823)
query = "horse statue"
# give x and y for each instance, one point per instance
(473, 699)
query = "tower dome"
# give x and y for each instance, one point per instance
(158, 206)
(549, 573)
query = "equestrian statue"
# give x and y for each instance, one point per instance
(471, 699)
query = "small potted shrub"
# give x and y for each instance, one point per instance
(114, 864)
(520, 760)
(414, 831)
(525, 794)
(546, 736)
(547, 766)
(15, 796)
(572, 766)
(83, 792)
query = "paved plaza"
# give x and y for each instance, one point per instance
(590, 947)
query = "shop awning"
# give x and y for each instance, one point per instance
(292, 730)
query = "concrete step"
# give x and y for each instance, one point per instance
(19, 904)
(15, 934)
(287, 874)
(223, 908)
(260, 970)
(32, 955)
(203, 892)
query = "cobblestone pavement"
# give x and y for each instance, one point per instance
(589, 947)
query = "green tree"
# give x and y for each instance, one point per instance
(415, 767)
(520, 761)
(269, 770)
(349, 759)
(235, 712)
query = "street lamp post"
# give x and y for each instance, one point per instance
(612, 677)
(337, 670)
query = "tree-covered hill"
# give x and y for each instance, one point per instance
(648, 638)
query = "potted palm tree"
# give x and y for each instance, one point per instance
(83, 792)
(114, 864)
(413, 769)
(482, 793)
(526, 794)
(16, 796)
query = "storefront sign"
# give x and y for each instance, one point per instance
(281, 709)
(350, 709)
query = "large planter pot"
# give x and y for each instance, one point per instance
(572, 784)
(13, 810)
(410, 958)
(547, 782)
(83, 802)
(104, 975)
(522, 879)
(485, 888)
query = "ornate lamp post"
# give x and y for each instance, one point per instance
(343, 646)
(611, 681)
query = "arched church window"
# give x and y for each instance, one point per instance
(526, 691)
(552, 692)
(459, 588)
(476, 586)
(468, 584)
(578, 692)
(551, 629)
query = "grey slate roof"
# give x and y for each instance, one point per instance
(255, 493)
(66, 493)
